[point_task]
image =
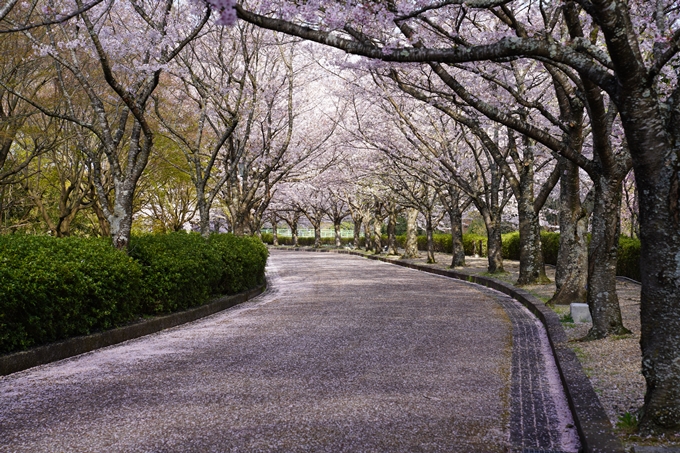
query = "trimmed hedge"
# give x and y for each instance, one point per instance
(242, 262)
(628, 263)
(549, 241)
(268, 238)
(58, 288)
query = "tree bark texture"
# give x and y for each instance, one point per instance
(411, 246)
(392, 233)
(602, 254)
(338, 237)
(457, 249)
(377, 236)
(571, 271)
(494, 246)
(429, 230)
(357, 232)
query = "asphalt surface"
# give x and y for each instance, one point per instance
(342, 354)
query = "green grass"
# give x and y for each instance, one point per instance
(628, 423)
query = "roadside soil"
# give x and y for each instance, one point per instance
(612, 364)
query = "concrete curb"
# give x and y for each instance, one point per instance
(18, 361)
(593, 425)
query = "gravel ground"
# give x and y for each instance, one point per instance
(343, 354)
(612, 364)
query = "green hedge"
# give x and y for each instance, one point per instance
(58, 288)
(242, 262)
(268, 238)
(628, 263)
(549, 241)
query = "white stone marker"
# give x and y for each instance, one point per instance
(580, 313)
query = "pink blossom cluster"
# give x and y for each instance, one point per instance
(226, 10)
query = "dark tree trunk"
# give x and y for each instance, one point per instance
(367, 233)
(294, 233)
(571, 271)
(357, 233)
(392, 233)
(203, 215)
(338, 237)
(494, 245)
(457, 249)
(531, 265)
(377, 236)
(429, 230)
(602, 298)
(317, 235)
(657, 174)
(411, 246)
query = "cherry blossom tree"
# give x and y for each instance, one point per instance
(622, 53)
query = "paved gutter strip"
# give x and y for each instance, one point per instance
(19, 361)
(593, 425)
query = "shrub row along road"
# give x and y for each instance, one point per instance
(341, 354)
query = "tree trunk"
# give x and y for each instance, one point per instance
(657, 175)
(531, 265)
(430, 240)
(357, 233)
(317, 235)
(275, 233)
(367, 234)
(294, 233)
(391, 233)
(121, 221)
(602, 298)
(571, 271)
(377, 236)
(203, 215)
(411, 246)
(338, 237)
(457, 249)
(494, 246)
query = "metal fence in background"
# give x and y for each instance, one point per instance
(309, 232)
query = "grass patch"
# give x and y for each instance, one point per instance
(628, 423)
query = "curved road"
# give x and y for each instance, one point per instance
(342, 354)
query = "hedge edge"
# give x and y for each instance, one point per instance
(18, 361)
(593, 425)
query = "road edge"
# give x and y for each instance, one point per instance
(52, 352)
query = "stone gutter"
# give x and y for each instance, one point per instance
(18, 361)
(593, 425)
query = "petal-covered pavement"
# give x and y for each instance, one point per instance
(341, 354)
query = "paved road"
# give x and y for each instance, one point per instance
(342, 354)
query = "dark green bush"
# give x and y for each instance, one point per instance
(179, 270)
(551, 246)
(242, 262)
(628, 263)
(57, 288)
(268, 238)
(510, 248)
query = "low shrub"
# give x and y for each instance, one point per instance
(268, 238)
(628, 263)
(242, 262)
(179, 270)
(510, 248)
(57, 288)
(551, 246)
